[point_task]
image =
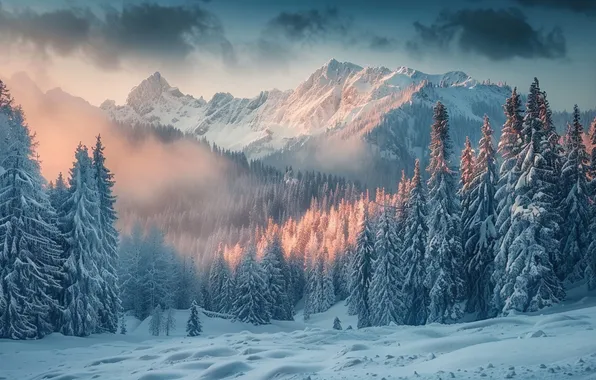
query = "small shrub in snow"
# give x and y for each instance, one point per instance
(193, 326)
(337, 324)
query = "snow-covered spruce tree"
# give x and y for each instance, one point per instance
(509, 147)
(322, 292)
(575, 205)
(229, 293)
(130, 272)
(276, 272)
(386, 298)
(362, 269)
(590, 255)
(156, 280)
(80, 226)
(444, 277)
(338, 267)
(169, 322)
(480, 227)
(156, 322)
(219, 275)
(59, 192)
(554, 158)
(415, 294)
(328, 290)
(312, 251)
(29, 255)
(554, 153)
(401, 203)
(466, 168)
(193, 325)
(297, 283)
(123, 330)
(529, 280)
(592, 138)
(251, 303)
(186, 282)
(110, 295)
(349, 270)
(337, 324)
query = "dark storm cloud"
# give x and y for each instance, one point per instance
(145, 30)
(63, 31)
(496, 34)
(579, 6)
(316, 26)
(382, 43)
(309, 26)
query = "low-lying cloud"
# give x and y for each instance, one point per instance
(495, 34)
(143, 169)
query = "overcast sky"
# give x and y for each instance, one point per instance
(100, 49)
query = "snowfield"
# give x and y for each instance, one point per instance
(558, 344)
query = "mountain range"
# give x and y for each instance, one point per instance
(342, 118)
(365, 123)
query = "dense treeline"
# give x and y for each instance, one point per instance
(196, 219)
(58, 252)
(507, 232)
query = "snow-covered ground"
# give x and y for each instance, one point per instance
(558, 344)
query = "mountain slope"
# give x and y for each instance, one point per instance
(381, 113)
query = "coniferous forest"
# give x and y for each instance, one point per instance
(510, 230)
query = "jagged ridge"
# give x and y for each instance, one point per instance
(338, 97)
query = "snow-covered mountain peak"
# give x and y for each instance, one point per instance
(332, 72)
(458, 78)
(334, 66)
(406, 71)
(148, 91)
(22, 80)
(451, 78)
(339, 97)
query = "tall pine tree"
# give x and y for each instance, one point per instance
(251, 304)
(110, 296)
(415, 292)
(466, 168)
(480, 227)
(386, 299)
(276, 275)
(590, 255)
(444, 277)
(510, 146)
(84, 255)
(592, 138)
(219, 276)
(575, 205)
(529, 282)
(29, 254)
(362, 269)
